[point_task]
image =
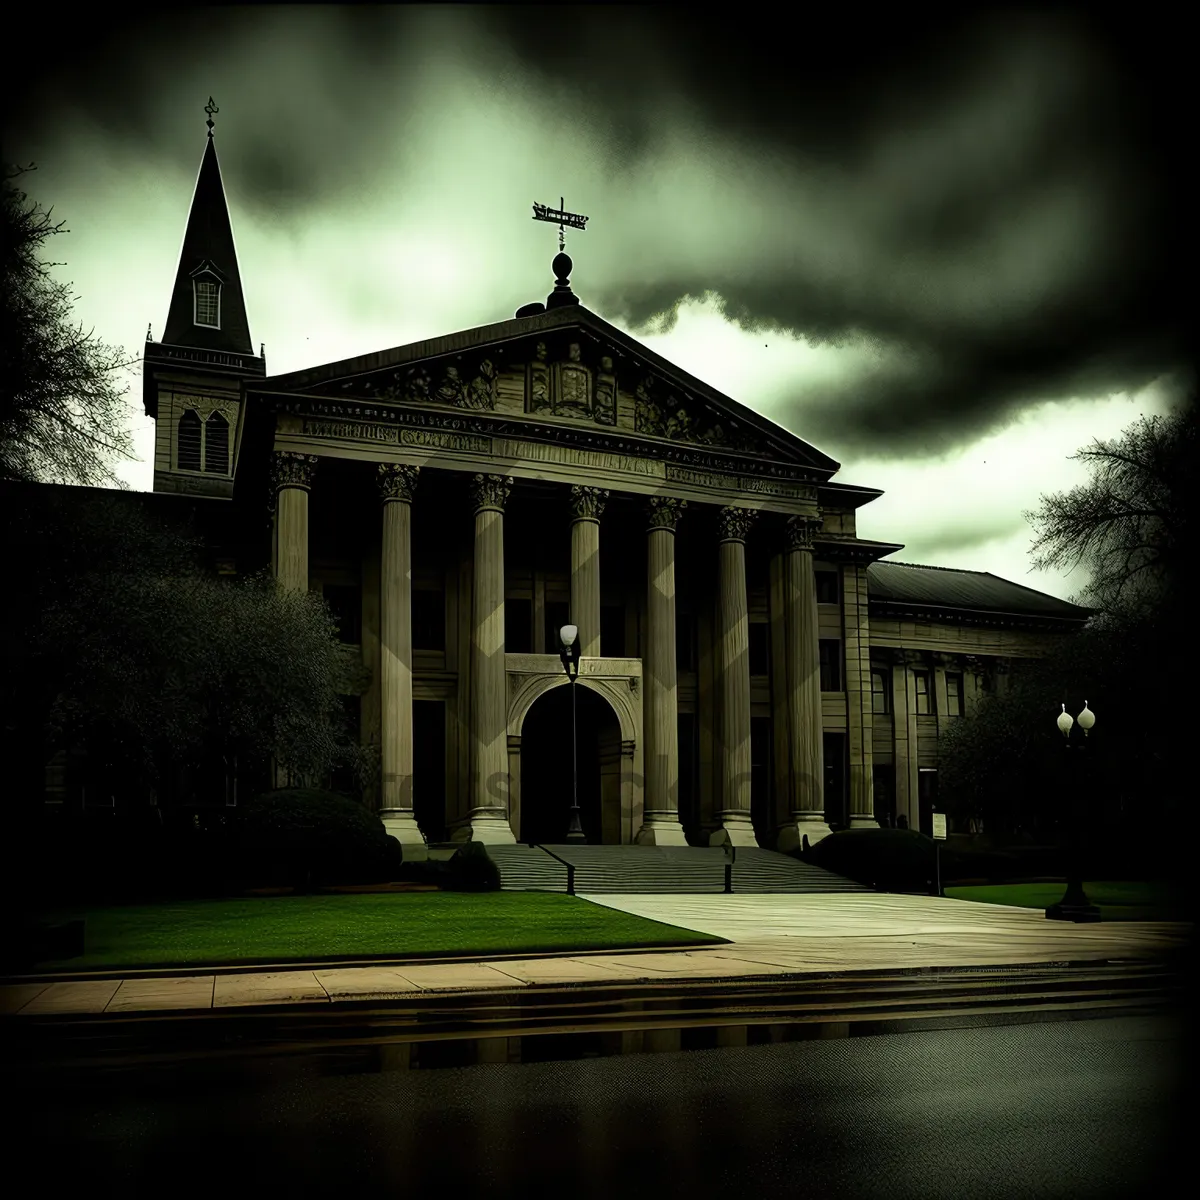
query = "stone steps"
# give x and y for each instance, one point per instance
(672, 869)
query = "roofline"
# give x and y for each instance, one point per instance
(990, 575)
(918, 607)
(517, 329)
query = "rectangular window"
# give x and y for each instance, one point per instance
(954, 695)
(612, 630)
(345, 602)
(881, 690)
(685, 641)
(827, 587)
(428, 620)
(208, 310)
(558, 613)
(760, 648)
(923, 694)
(518, 626)
(831, 665)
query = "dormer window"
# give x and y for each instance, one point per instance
(208, 302)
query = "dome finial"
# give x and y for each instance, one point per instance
(210, 108)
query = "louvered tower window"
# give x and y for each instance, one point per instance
(208, 303)
(190, 439)
(216, 444)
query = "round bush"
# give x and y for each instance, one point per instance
(471, 870)
(304, 837)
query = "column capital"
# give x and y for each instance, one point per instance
(291, 470)
(974, 664)
(664, 512)
(733, 523)
(799, 532)
(587, 503)
(490, 491)
(398, 481)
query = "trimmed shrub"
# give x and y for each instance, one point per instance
(306, 838)
(892, 860)
(472, 869)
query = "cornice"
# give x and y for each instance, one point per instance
(966, 616)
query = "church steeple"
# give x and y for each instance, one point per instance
(207, 308)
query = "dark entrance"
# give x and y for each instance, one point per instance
(546, 766)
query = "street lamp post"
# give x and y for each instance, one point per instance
(1075, 906)
(568, 636)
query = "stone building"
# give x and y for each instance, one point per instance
(751, 669)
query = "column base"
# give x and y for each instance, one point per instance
(857, 821)
(791, 836)
(490, 830)
(402, 825)
(660, 831)
(735, 830)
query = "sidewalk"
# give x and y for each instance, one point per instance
(776, 938)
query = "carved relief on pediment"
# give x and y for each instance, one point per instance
(471, 385)
(663, 412)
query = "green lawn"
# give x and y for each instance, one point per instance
(1117, 901)
(277, 929)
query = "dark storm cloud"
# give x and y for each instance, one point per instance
(983, 211)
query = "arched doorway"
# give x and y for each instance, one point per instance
(546, 767)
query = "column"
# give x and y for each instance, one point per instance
(291, 477)
(972, 689)
(489, 819)
(660, 708)
(859, 717)
(733, 665)
(780, 758)
(397, 483)
(805, 726)
(587, 503)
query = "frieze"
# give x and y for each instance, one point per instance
(398, 481)
(353, 430)
(739, 483)
(608, 444)
(733, 523)
(540, 452)
(445, 441)
(587, 503)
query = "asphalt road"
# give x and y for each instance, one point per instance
(1078, 1109)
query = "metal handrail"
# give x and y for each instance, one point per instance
(570, 868)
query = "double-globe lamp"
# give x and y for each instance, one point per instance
(1075, 906)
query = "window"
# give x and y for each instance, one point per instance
(612, 630)
(191, 437)
(518, 625)
(208, 303)
(428, 620)
(827, 587)
(924, 696)
(557, 615)
(685, 641)
(760, 655)
(216, 444)
(345, 602)
(881, 690)
(831, 665)
(834, 751)
(954, 695)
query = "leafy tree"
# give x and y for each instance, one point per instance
(125, 643)
(63, 412)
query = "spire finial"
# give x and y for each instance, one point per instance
(210, 108)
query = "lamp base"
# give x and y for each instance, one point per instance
(1073, 912)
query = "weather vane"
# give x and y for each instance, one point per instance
(210, 108)
(560, 217)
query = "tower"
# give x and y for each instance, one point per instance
(192, 379)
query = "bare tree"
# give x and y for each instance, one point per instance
(63, 415)
(1134, 522)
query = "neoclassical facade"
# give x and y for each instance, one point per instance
(751, 670)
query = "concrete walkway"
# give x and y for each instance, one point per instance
(771, 935)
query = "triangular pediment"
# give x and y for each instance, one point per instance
(569, 367)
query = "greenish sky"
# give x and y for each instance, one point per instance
(936, 250)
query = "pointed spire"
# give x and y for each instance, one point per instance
(208, 253)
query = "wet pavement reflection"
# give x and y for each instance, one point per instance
(1076, 1109)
